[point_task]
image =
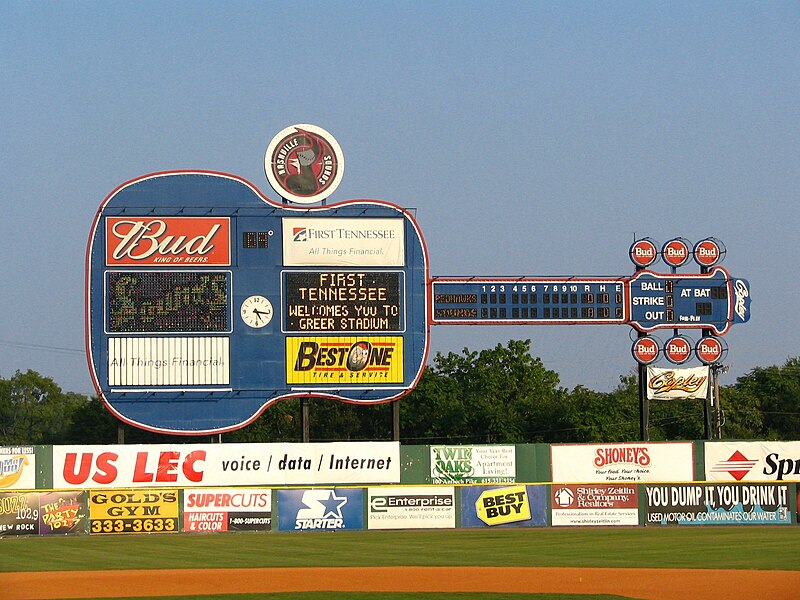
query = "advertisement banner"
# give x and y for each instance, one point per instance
(673, 384)
(718, 504)
(511, 506)
(203, 465)
(411, 508)
(17, 468)
(641, 461)
(337, 361)
(168, 361)
(473, 464)
(134, 511)
(339, 242)
(227, 509)
(168, 241)
(63, 513)
(320, 509)
(19, 513)
(594, 505)
(752, 461)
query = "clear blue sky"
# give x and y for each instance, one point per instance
(533, 138)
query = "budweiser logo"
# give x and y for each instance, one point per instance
(668, 382)
(168, 240)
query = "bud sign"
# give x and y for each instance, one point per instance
(643, 253)
(677, 350)
(675, 252)
(709, 349)
(708, 252)
(645, 350)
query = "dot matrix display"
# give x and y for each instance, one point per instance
(168, 301)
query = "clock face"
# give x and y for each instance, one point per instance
(256, 311)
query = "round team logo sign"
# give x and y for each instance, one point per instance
(709, 349)
(645, 350)
(677, 350)
(675, 252)
(304, 164)
(708, 252)
(643, 252)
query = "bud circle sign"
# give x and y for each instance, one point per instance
(304, 164)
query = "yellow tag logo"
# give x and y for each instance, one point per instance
(503, 505)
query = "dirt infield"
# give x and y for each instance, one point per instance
(650, 584)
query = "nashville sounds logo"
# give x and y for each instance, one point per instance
(304, 164)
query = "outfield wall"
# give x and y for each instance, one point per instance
(98, 490)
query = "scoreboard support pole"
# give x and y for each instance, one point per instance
(305, 420)
(644, 405)
(396, 421)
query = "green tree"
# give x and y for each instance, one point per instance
(507, 394)
(778, 392)
(604, 417)
(34, 410)
(433, 413)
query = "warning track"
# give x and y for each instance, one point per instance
(646, 584)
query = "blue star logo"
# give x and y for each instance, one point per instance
(333, 505)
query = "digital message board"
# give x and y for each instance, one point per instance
(343, 301)
(206, 302)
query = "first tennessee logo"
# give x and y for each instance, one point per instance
(300, 234)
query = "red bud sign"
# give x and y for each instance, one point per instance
(678, 350)
(643, 253)
(708, 252)
(645, 350)
(709, 349)
(675, 252)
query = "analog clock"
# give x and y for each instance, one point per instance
(256, 311)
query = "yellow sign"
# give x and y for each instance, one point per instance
(344, 360)
(503, 505)
(133, 511)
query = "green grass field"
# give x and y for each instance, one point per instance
(685, 547)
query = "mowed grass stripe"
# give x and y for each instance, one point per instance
(744, 547)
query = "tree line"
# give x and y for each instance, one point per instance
(497, 395)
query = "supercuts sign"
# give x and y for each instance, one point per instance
(206, 302)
